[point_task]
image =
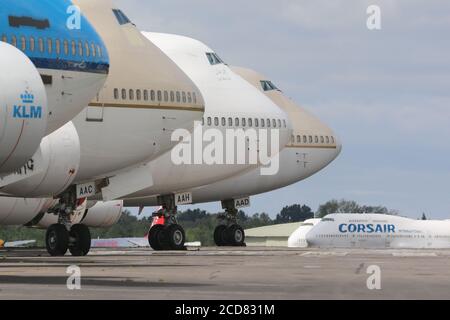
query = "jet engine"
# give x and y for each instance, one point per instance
(23, 109)
(91, 214)
(50, 171)
(18, 211)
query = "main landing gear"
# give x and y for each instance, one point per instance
(165, 233)
(65, 236)
(229, 233)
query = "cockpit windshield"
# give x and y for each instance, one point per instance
(214, 59)
(327, 220)
(268, 85)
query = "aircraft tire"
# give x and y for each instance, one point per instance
(235, 236)
(82, 236)
(57, 240)
(156, 237)
(220, 236)
(176, 237)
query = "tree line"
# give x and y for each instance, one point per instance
(199, 224)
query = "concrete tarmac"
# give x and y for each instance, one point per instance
(227, 274)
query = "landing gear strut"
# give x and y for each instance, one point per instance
(229, 232)
(165, 232)
(63, 236)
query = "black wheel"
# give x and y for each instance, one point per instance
(57, 240)
(176, 237)
(219, 236)
(81, 237)
(156, 237)
(235, 235)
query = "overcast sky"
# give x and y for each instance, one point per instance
(386, 93)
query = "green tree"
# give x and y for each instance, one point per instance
(294, 213)
(345, 206)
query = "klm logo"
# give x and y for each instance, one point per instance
(27, 109)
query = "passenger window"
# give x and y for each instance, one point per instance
(250, 122)
(279, 123)
(138, 95)
(284, 122)
(94, 53)
(268, 123)
(310, 139)
(224, 122)
(209, 121)
(87, 49)
(322, 140)
(74, 48)
(256, 123)
(23, 43)
(230, 122)
(172, 96)
(80, 48)
(328, 140)
(99, 51)
(166, 96)
(14, 41)
(146, 95)
(159, 93)
(178, 97)
(316, 139)
(244, 122)
(189, 97)
(49, 45)
(58, 47)
(131, 94)
(332, 140)
(274, 123)
(216, 121)
(124, 94)
(194, 96)
(183, 94)
(263, 124)
(305, 139)
(66, 47)
(32, 44)
(152, 95)
(236, 122)
(116, 93)
(41, 44)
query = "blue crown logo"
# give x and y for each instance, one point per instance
(27, 97)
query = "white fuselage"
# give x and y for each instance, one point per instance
(226, 96)
(378, 231)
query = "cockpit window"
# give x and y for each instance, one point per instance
(268, 85)
(121, 17)
(327, 220)
(214, 59)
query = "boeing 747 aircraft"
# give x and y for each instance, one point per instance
(374, 231)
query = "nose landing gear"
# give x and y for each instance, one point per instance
(229, 232)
